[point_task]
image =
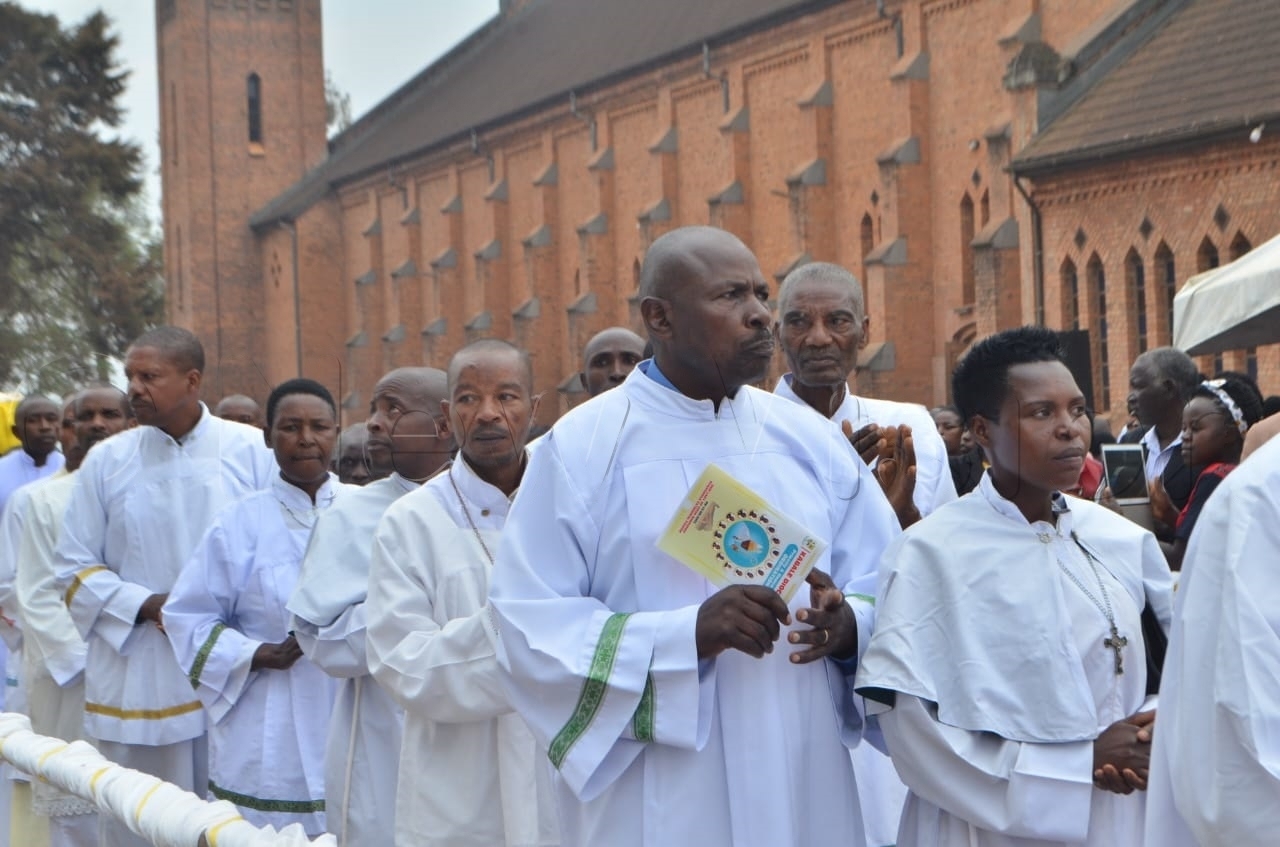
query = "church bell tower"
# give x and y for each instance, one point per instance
(242, 118)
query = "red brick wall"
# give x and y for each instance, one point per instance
(842, 86)
(776, 78)
(1178, 195)
(212, 178)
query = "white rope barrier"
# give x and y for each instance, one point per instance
(158, 811)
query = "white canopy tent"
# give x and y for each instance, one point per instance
(1231, 307)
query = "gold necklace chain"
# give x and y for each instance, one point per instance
(467, 513)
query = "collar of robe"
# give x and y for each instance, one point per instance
(644, 389)
(202, 427)
(970, 618)
(404, 483)
(297, 503)
(482, 498)
(335, 570)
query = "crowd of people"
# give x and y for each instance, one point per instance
(439, 627)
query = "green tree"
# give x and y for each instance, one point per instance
(79, 261)
(337, 105)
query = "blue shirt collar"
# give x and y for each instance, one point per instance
(649, 367)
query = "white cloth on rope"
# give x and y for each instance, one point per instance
(162, 813)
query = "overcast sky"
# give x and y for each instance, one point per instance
(371, 47)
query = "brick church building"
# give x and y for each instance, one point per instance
(977, 163)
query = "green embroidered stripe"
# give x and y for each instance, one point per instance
(197, 667)
(642, 720)
(593, 690)
(296, 807)
(866, 597)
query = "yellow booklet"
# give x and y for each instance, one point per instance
(729, 534)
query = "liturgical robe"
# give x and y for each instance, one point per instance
(54, 653)
(141, 503)
(934, 485)
(267, 727)
(880, 791)
(470, 772)
(653, 746)
(1215, 769)
(328, 609)
(17, 469)
(1000, 678)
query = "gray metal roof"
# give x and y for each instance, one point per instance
(1213, 68)
(524, 61)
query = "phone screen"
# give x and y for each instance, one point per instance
(1126, 472)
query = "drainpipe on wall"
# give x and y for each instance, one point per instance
(1037, 251)
(297, 292)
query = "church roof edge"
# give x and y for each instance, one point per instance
(512, 62)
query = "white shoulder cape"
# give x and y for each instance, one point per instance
(966, 619)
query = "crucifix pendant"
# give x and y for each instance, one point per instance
(1117, 642)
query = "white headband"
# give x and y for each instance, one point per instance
(1215, 387)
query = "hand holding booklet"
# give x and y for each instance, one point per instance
(730, 535)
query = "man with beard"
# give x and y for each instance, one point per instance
(408, 438)
(54, 653)
(473, 773)
(141, 503)
(668, 714)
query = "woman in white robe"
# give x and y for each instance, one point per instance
(268, 706)
(1008, 664)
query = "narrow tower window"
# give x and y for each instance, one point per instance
(254, 96)
(867, 239)
(967, 287)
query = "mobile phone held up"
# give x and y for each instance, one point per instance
(1126, 471)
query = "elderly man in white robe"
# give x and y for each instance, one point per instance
(470, 770)
(406, 437)
(669, 711)
(141, 503)
(1009, 662)
(1215, 769)
(822, 327)
(268, 706)
(54, 653)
